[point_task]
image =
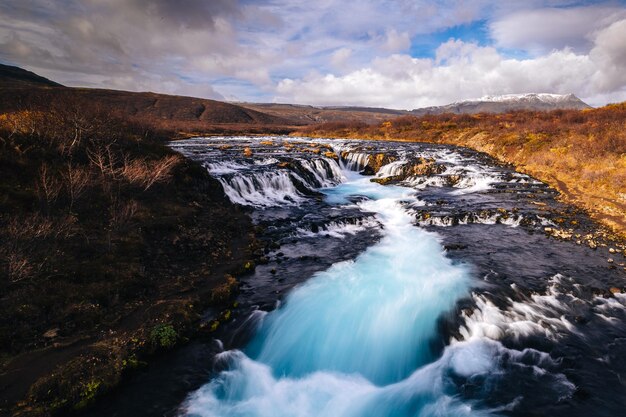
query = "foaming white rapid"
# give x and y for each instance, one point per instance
(392, 169)
(251, 187)
(325, 171)
(544, 314)
(355, 161)
(251, 388)
(261, 189)
(340, 229)
(355, 339)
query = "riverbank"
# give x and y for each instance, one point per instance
(582, 154)
(113, 247)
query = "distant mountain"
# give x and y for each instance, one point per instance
(303, 114)
(299, 114)
(509, 102)
(16, 77)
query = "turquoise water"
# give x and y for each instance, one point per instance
(355, 340)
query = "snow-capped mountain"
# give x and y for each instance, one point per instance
(508, 102)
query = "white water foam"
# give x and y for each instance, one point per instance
(326, 171)
(263, 189)
(355, 161)
(540, 314)
(266, 161)
(224, 167)
(508, 219)
(340, 229)
(275, 187)
(392, 169)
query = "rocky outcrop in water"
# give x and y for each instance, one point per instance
(376, 162)
(416, 167)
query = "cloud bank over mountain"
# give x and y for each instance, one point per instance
(400, 54)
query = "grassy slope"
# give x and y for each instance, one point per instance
(111, 246)
(580, 153)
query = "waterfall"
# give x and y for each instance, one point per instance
(323, 172)
(355, 161)
(261, 189)
(391, 170)
(261, 186)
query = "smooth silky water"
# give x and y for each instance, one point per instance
(379, 317)
(372, 313)
(352, 339)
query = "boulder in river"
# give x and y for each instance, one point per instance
(416, 167)
(376, 161)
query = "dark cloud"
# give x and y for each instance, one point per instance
(136, 44)
(186, 14)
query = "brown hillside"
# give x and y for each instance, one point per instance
(161, 106)
(17, 77)
(21, 89)
(175, 113)
(305, 115)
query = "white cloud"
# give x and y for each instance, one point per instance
(543, 30)
(465, 70)
(325, 52)
(609, 54)
(340, 57)
(395, 42)
(92, 42)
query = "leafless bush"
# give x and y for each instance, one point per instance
(19, 267)
(76, 179)
(103, 159)
(32, 227)
(121, 212)
(48, 185)
(23, 239)
(147, 173)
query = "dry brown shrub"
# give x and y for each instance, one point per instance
(121, 213)
(147, 173)
(22, 239)
(222, 293)
(24, 122)
(48, 185)
(104, 159)
(75, 180)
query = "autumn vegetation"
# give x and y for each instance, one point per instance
(110, 246)
(582, 153)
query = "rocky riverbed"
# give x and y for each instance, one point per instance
(403, 278)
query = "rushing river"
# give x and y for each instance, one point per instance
(434, 294)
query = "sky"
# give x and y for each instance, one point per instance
(401, 54)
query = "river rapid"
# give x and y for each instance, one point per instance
(426, 288)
